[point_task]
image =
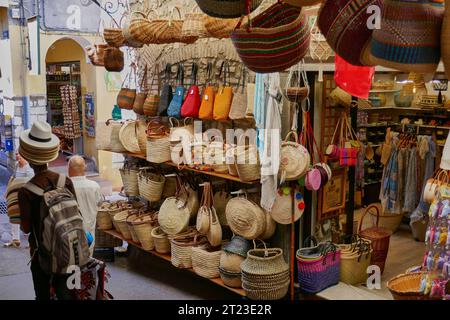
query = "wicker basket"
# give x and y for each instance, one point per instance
(128, 137)
(113, 210)
(151, 185)
(247, 163)
(130, 220)
(104, 221)
(389, 221)
(162, 243)
(264, 262)
(158, 149)
(114, 37)
(245, 218)
(121, 223)
(230, 279)
(272, 293)
(206, 260)
(407, 287)
(181, 249)
(231, 262)
(354, 264)
(143, 226)
(130, 181)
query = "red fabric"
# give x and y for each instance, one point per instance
(348, 157)
(354, 80)
(191, 104)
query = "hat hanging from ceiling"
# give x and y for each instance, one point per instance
(410, 36)
(39, 145)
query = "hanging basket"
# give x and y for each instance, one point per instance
(193, 25)
(162, 243)
(277, 39)
(114, 37)
(294, 159)
(219, 28)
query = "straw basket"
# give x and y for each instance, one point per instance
(161, 241)
(141, 126)
(130, 181)
(247, 163)
(103, 135)
(104, 221)
(151, 185)
(379, 238)
(158, 149)
(130, 219)
(231, 262)
(231, 279)
(143, 226)
(354, 263)
(245, 218)
(112, 211)
(116, 145)
(295, 158)
(407, 287)
(193, 25)
(172, 218)
(389, 221)
(128, 137)
(219, 28)
(121, 223)
(114, 37)
(181, 249)
(205, 261)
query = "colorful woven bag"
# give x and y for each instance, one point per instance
(344, 23)
(410, 35)
(174, 109)
(224, 95)
(209, 93)
(274, 40)
(227, 8)
(191, 104)
(126, 96)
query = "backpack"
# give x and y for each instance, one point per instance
(61, 240)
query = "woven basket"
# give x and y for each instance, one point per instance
(116, 145)
(121, 223)
(181, 249)
(273, 293)
(151, 185)
(265, 262)
(141, 128)
(407, 287)
(247, 163)
(230, 279)
(206, 261)
(295, 158)
(113, 210)
(231, 262)
(103, 135)
(226, 9)
(143, 226)
(245, 218)
(193, 25)
(389, 221)
(158, 149)
(140, 28)
(354, 266)
(219, 28)
(169, 31)
(130, 219)
(278, 39)
(130, 181)
(130, 40)
(104, 221)
(114, 37)
(128, 137)
(161, 241)
(173, 218)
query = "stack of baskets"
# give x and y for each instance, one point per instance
(158, 143)
(265, 274)
(143, 226)
(161, 240)
(206, 260)
(130, 180)
(132, 216)
(355, 258)
(234, 253)
(151, 185)
(111, 209)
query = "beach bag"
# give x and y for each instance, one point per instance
(126, 96)
(191, 104)
(239, 104)
(153, 99)
(141, 96)
(207, 105)
(166, 92)
(174, 109)
(224, 95)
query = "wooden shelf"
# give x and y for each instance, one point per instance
(167, 257)
(210, 173)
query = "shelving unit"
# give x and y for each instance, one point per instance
(166, 257)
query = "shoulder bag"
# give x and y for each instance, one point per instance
(191, 104)
(126, 96)
(141, 96)
(153, 100)
(224, 95)
(207, 105)
(239, 104)
(174, 109)
(166, 92)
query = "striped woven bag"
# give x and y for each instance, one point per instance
(410, 35)
(151, 103)
(344, 25)
(274, 40)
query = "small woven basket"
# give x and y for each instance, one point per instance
(181, 249)
(130, 181)
(104, 221)
(121, 223)
(151, 185)
(205, 261)
(407, 287)
(143, 226)
(161, 240)
(230, 279)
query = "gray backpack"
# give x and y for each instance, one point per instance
(61, 238)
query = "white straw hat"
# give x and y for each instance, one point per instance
(39, 145)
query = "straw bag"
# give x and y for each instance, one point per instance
(193, 26)
(255, 45)
(282, 208)
(129, 220)
(113, 59)
(318, 266)
(128, 136)
(121, 223)
(158, 143)
(294, 158)
(206, 109)
(346, 29)
(151, 184)
(247, 163)
(143, 226)
(114, 37)
(181, 249)
(265, 274)
(161, 241)
(153, 98)
(96, 53)
(206, 261)
(224, 95)
(126, 29)
(116, 145)
(126, 96)
(219, 28)
(245, 218)
(141, 128)
(175, 212)
(104, 221)
(226, 9)
(249, 113)
(220, 201)
(355, 259)
(409, 39)
(239, 104)
(204, 212)
(170, 31)
(130, 180)
(103, 135)
(379, 238)
(270, 228)
(141, 95)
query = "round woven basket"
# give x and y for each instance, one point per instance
(282, 209)
(130, 219)
(128, 137)
(121, 223)
(181, 250)
(158, 149)
(245, 218)
(231, 262)
(130, 181)
(206, 261)
(407, 287)
(143, 226)
(272, 293)
(173, 219)
(295, 159)
(247, 163)
(264, 262)
(151, 185)
(161, 241)
(230, 279)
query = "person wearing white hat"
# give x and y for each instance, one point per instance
(39, 147)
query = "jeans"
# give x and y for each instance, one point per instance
(43, 283)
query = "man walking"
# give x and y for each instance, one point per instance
(87, 192)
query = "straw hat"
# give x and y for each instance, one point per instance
(39, 145)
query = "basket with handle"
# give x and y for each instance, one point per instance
(169, 31)
(114, 209)
(247, 162)
(151, 184)
(230, 279)
(158, 143)
(161, 240)
(206, 260)
(181, 248)
(151, 103)
(379, 238)
(128, 136)
(133, 214)
(129, 177)
(121, 223)
(143, 226)
(355, 258)
(104, 221)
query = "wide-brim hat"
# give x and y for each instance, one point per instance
(39, 145)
